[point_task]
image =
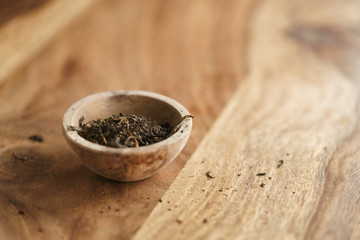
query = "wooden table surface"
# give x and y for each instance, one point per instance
(274, 86)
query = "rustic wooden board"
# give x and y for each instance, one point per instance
(191, 51)
(26, 26)
(299, 104)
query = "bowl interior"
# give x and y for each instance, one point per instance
(105, 106)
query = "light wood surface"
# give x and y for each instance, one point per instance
(299, 104)
(167, 47)
(292, 68)
(26, 26)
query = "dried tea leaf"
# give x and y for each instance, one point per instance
(122, 130)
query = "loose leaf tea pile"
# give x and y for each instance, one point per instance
(124, 130)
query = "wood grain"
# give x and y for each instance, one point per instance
(26, 26)
(191, 51)
(299, 104)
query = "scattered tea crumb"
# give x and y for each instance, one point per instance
(40, 230)
(205, 220)
(160, 200)
(281, 162)
(21, 212)
(285, 187)
(148, 198)
(261, 174)
(36, 138)
(262, 185)
(168, 201)
(109, 207)
(169, 209)
(117, 210)
(208, 174)
(20, 156)
(269, 178)
(178, 221)
(221, 190)
(101, 211)
(293, 192)
(268, 196)
(239, 174)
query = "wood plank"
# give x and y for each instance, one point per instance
(298, 105)
(191, 51)
(27, 26)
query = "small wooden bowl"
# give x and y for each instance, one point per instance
(127, 164)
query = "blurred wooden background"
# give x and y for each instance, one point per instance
(280, 78)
